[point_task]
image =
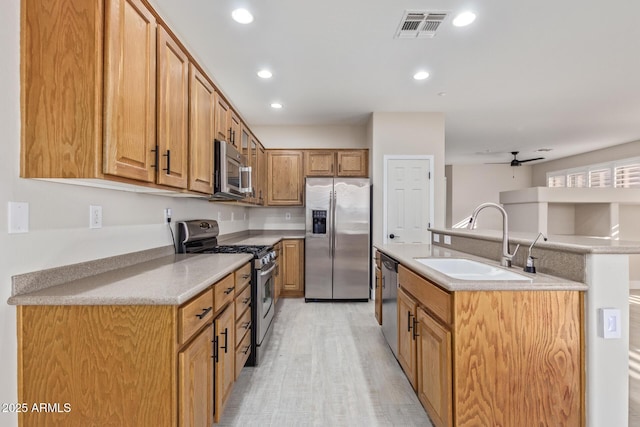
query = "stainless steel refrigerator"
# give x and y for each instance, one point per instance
(337, 239)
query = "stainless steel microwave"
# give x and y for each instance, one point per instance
(231, 175)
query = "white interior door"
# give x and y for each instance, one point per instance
(408, 200)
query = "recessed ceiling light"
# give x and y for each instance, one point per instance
(276, 105)
(463, 19)
(265, 74)
(243, 16)
(421, 75)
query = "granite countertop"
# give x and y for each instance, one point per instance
(568, 243)
(405, 253)
(167, 280)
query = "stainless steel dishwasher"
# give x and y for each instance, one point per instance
(390, 301)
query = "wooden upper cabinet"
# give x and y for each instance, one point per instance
(353, 163)
(319, 163)
(173, 111)
(285, 180)
(262, 184)
(235, 129)
(201, 132)
(130, 90)
(222, 126)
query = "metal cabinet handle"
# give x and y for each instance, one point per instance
(246, 300)
(229, 290)
(168, 156)
(155, 158)
(246, 325)
(215, 349)
(246, 276)
(415, 328)
(204, 313)
(408, 321)
(246, 350)
(226, 335)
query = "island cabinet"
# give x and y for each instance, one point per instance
(133, 365)
(285, 182)
(506, 357)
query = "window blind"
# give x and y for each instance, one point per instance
(577, 179)
(600, 178)
(628, 176)
(556, 181)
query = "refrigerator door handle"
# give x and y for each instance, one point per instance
(330, 224)
(333, 221)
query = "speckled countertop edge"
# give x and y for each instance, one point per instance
(168, 280)
(407, 252)
(575, 244)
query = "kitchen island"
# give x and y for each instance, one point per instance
(489, 352)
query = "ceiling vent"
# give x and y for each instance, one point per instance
(416, 24)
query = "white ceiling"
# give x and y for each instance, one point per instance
(525, 75)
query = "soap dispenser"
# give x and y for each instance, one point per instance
(530, 265)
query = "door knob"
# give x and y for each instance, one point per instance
(391, 236)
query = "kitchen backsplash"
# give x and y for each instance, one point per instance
(287, 218)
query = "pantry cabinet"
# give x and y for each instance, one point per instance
(285, 181)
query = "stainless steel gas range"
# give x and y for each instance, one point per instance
(201, 237)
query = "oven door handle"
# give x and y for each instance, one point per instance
(264, 273)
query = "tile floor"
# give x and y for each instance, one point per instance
(327, 364)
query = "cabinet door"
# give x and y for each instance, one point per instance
(353, 163)
(285, 181)
(319, 163)
(236, 128)
(407, 336)
(195, 387)
(247, 149)
(292, 268)
(262, 175)
(224, 358)
(173, 111)
(434, 369)
(222, 119)
(202, 102)
(130, 90)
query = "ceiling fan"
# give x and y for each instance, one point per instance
(516, 161)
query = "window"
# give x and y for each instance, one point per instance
(577, 179)
(628, 176)
(619, 174)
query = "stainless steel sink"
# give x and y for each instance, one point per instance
(466, 269)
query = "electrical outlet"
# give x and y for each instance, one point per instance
(447, 240)
(167, 215)
(436, 237)
(18, 214)
(287, 216)
(95, 216)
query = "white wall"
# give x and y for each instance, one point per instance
(276, 218)
(59, 213)
(470, 185)
(410, 134)
(617, 152)
(327, 136)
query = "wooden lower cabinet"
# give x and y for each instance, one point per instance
(292, 263)
(132, 365)
(434, 368)
(488, 358)
(406, 336)
(195, 387)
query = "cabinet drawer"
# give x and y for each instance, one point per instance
(195, 314)
(243, 277)
(434, 299)
(243, 325)
(224, 292)
(242, 353)
(243, 301)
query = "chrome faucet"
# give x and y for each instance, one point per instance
(506, 256)
(530, 266)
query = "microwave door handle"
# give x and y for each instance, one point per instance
(245, 188)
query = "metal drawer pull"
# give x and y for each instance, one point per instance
(246, 276)
(246, 350)
(246, 325)
(204, 313)
(246, 300)
(229, 290)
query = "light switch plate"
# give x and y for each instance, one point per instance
(447, 240)
(18, 215)
(609, 326)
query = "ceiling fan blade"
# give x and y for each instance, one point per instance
(497, 163)
(531, 160)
